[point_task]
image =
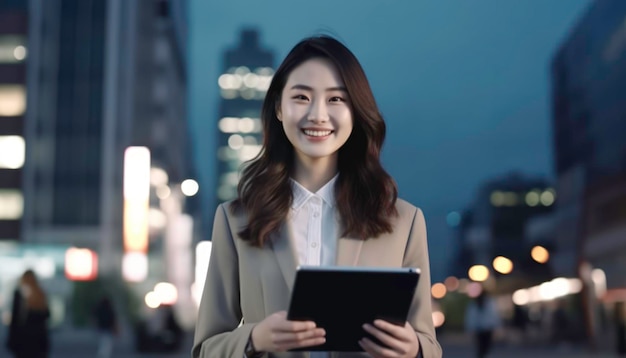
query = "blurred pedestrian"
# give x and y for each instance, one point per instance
(561, 324)
(481, 320)
(317, 194)
(520, 322)
(107, 326)
(163, 328)
(28, 331)
(620, 327)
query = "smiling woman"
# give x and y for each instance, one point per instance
(316, 194)
(315, 114)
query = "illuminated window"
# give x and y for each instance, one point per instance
(228, 124)
(235, 141)
(12, 49)
(11, 204)
(12, 100)
(12, 152)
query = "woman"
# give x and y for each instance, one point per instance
(316, 195)
(28, 331)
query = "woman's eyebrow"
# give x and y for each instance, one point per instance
(309, 88)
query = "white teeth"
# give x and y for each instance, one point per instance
(316, 133)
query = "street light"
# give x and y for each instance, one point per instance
(540, 254)
(478, 273)
(502, 265)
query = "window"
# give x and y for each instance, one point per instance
(11, 204)
(12, 100)
(12, 49)
(12, 152)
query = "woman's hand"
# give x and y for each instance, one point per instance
(275, 334)
(401, 341)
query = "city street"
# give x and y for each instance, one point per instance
(83, 343)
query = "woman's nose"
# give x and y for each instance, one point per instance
(318, 112)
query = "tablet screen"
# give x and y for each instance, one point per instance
(342, 299)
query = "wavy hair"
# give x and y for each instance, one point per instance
(365, 193)
(35, 297)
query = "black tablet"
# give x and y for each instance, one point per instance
(341, 299)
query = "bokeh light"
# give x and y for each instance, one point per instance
(540, 254)
(438, 290)
(452, 283)
(478, 273)
(502, 265)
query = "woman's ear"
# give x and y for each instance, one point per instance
(278, 112)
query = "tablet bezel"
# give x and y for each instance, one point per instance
(407, 276)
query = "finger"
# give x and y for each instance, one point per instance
(402, 333)
(282, 338)
(285, 325)
(375, 350)
(392, 342)
(302, 344)
(295, 326)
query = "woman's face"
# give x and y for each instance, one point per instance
(315, 111)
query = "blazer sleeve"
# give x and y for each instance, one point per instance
(218, 331)
(420, 314)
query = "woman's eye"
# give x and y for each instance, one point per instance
(336, 99)
(300, 97)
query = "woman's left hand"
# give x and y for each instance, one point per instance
(401, 341)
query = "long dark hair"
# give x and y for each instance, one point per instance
(365, 193)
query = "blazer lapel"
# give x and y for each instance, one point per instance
(348, 251)
(285, 252)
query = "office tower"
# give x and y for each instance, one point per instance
(246, 75)
(106, 75)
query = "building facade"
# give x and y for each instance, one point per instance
(589, 111)
(589, 107)
(13, 52)
(247, 71)
(497, 227)
(103, 76)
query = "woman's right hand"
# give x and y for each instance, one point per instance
(276, 334)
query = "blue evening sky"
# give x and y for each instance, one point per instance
(463, 85)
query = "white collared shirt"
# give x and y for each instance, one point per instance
(314, 224)
(313, 221)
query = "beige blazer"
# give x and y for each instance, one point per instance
(245, 284)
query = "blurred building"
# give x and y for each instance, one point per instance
(13, 38)
(589, 107)
(247, 71)
(497, 228)
(106, 75)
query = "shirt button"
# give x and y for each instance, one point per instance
(314, 244)
(316, 214)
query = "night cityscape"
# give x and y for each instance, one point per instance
(124, 124)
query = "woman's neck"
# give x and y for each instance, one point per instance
(314, 174)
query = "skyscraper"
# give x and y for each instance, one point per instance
(107, 75)
(13, 52)
(589, 111)
(246, 75)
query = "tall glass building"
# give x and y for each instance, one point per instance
(103, 76)
(589, 122)
(246, 75)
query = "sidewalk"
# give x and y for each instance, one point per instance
(460, 345)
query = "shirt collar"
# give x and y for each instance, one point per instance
(301, 195)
